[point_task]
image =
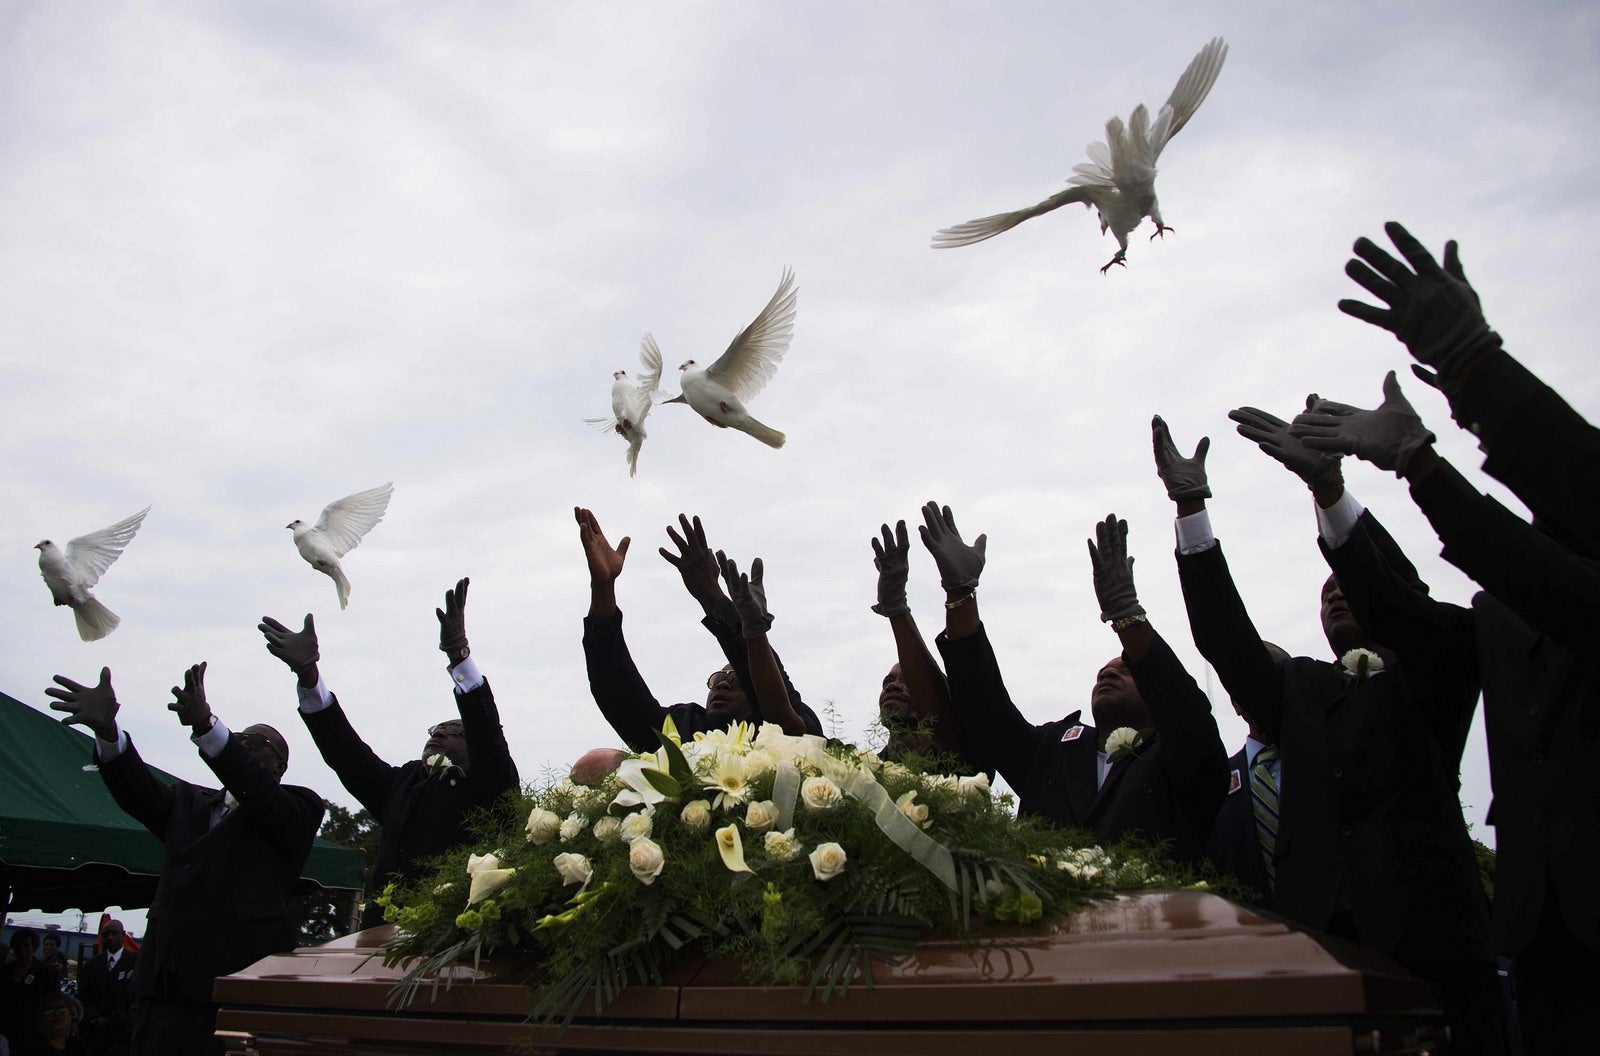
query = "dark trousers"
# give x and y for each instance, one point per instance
(165, 1027)
(1558, 987)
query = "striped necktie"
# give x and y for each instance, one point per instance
(1264, 803)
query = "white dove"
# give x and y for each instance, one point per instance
(341, 527)
(1119, 180)
(69, 574)
(631, 401)
(744, 369)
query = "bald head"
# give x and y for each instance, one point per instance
(266, 746)
(593, 766)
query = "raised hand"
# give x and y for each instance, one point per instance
(297, 649)
(1434, 311)
(189, 703)
(891, 558)
(1113, 571)
(749, 595)
(959, 565)
(1185, 478)
(92, 706)
(1271, 434)
(605, 561)
(453, 623)
(1389, 436)
(694, 562)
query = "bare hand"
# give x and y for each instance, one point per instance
(605, 562)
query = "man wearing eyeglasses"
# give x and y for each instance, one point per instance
(420, 805)
(230, 860)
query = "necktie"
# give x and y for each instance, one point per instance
(1264, 803)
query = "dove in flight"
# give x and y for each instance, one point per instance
(341, 527)
(1119, 180)
(718, 392)
(631, 400)
(70, 573)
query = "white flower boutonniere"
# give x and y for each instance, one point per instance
(1361, 663)
(1124, 742)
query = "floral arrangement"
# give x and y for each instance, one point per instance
(804, 861)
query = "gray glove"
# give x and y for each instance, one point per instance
(1388, 436)
(189, 703)
(453, 623)
(1185, 478)
(91, 706)
(749, 595)
(1113, 571)
(1271, 434)
(892, 560)
(297, 649)
(959, 565)
(1433, 310)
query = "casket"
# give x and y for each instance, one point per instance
(1179, 972)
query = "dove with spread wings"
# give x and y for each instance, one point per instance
(717, 392)
(341, 527)
(1119, 179)
(632, 399)
(71, 572)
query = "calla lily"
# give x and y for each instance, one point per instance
(637, 788)
(486, 882)
(732, 849)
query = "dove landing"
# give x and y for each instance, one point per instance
(70, 573)
(1118, 180)
(717, 392)
(341, 527)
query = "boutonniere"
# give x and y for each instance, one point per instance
(439, 763)
(1361, 663)
(1125, 742)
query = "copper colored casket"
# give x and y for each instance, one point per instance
(1167, 972)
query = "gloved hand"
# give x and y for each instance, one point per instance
(453, 623)
(1388, 436)
(749, 595)
(189, 703)
(297, 649)
(959, 565)
(1271, 434)
(1185, 478)
(892, 560)
(694, 562)
(92, 706)
(1113, 571)
(1433, 310)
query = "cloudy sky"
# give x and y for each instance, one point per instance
(257, 256)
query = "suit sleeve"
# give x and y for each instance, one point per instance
(136, 790)
(288, 815)
(1191, 748)
(618, 688)
(362, 773)
(997, 735)
(1228, 640)
(493, 770)
(723, 623)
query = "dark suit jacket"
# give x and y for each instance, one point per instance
(106, 993)
(222, 902)
(1534, 647)
(1369, 821)
(1170, 790)
(1233, 845)
(419, 815)
(632, 710)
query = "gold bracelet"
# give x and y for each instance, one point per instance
(961, 600)
(1123, 623)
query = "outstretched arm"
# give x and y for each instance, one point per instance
(493, 770)
(768, 687)
(926, 687)
(617, 686)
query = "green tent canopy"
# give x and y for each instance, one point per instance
(64, 842)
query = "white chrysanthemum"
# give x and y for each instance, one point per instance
(1121, 740)
(574, 824)
(781, 846)
(543, 825)
(820, 794)
(638, 825)
(759, 817)
(1361, 662)
(917, 812)
(696, 813)
(727, 778)
(645, 859)
(590, 801)
(606, 829)
(827, 861)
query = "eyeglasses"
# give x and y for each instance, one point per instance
(256, 741)
(60, 1010)
(447, 729)
(719, 678)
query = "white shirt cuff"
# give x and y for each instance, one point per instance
(106, 751)
(314, 699)
(466, 676)
(213, 740)
(1336, 522)
(1194, 533)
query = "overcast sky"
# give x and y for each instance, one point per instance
(258, 256)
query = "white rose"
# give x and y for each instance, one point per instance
(574, 824)
(976, 786)
(917, 812)
(476, 862)
(573, 868)
(819, 793)
(827, 861)
(543, 825)
(638, 825)
(758, 764)
(590, 800)
(697, 813)
(782, 846)
(759, 817)
(1121, 739)
(645, 859)
(606, 829)
(869, 759)
(896, 772)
